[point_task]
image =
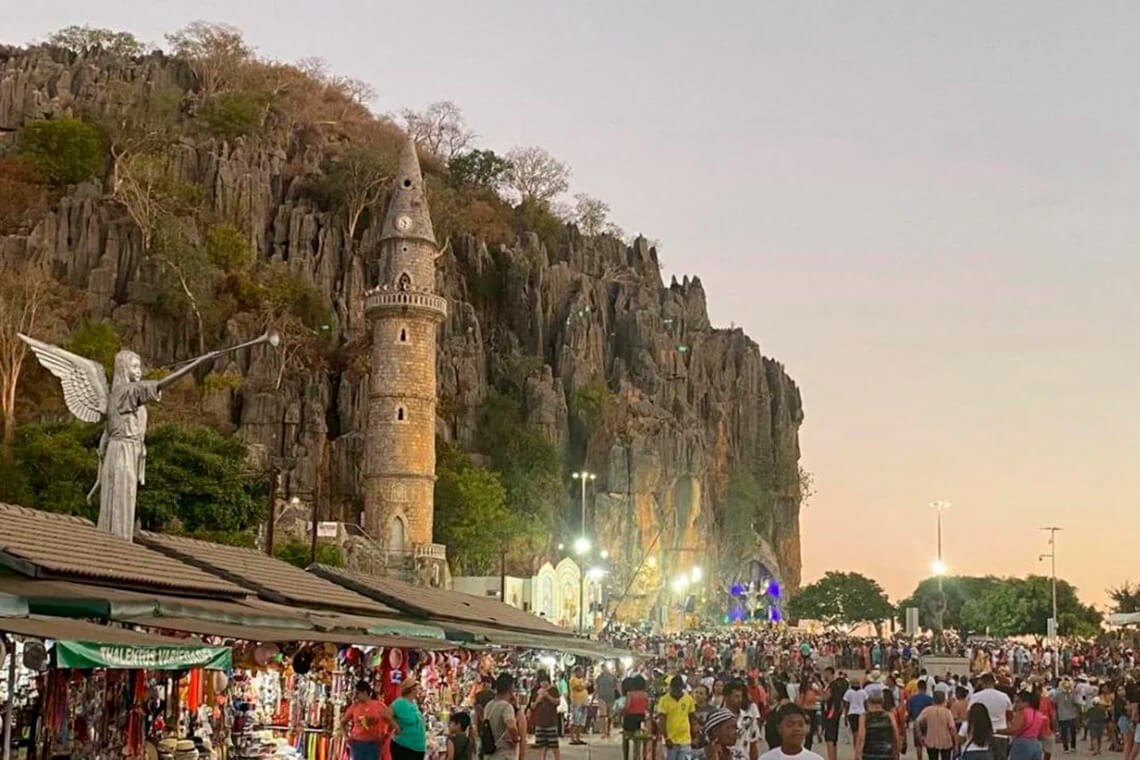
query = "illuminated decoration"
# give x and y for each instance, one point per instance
(736, 590)
(774, 614)
(774, 589)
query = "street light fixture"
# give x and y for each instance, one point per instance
(584, 477)
(581, 546)
(938, 567)
(695, 575)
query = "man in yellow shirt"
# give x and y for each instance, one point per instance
(677, 707)
(579, 696)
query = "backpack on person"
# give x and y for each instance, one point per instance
(486, 738)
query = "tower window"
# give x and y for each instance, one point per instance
(404, 282)
(407, 182)
(400, 414)
(403, 335)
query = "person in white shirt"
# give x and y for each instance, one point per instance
(999, 706)
(792, 723)
(856, 700)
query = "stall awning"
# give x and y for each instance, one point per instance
(326, 620)
(504, 637)
(84, 600)
(262, 633)
(79, 644)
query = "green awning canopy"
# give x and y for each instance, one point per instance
(88, 654)
(386, 627)
(81, 644)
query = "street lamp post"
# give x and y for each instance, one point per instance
(584, 477)
(939, 570)
(581, 548)
(1052, 555)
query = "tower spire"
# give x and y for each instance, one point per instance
(408, 216)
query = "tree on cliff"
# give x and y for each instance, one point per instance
(536, 175)
(358, 177)
(440, 129)
(842, 599)
(590, 214)
(30, 302)
(82, 40)
(478, 168)
(216, 52)
(471, 515)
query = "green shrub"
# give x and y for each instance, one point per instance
(535, 216)
(233, 113)
(98, 340)
(300, 553)
(65, 150)
(228, 249)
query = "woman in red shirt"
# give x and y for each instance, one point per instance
(366, 721)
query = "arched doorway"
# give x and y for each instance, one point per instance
(396, 534)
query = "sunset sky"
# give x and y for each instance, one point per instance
(927, 211)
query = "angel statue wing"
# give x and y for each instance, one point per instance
(84, 381)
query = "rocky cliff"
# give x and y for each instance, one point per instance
(624, 374)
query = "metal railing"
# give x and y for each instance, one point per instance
(377, 299)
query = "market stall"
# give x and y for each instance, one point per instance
(86, 690)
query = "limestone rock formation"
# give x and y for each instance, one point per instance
(684, 406)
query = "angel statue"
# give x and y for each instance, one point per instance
(122, 448)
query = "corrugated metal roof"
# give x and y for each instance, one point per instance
(440, 603)
(49, 545)
(268, 577)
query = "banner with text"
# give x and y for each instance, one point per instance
(85, 655)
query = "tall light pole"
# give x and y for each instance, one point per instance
(939, 569)
(1052, 555)
(584, 477)
(581, 548)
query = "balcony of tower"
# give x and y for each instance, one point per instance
(403, 303)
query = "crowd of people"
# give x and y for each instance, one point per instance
(775, 695)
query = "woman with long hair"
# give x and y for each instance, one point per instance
(979, 734)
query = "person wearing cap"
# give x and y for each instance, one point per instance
(409, 742)
(721, 735)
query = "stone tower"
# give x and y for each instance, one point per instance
(404, 314)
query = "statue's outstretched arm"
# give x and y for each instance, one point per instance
(185, 369)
